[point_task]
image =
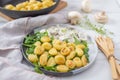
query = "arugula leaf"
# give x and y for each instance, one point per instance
(30, 39)
(84, 42)
(27, 45)
(36, 69)
(30, 50)
(52, 38)
(86, 49)
(50, 68)
(76, 41)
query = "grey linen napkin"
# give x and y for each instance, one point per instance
(12, 66)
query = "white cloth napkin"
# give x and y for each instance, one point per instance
(12, 66)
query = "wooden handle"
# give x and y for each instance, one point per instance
(118, 68)
(62, 4)
(113, 68)
(6, 17)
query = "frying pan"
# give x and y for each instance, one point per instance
(19, 14)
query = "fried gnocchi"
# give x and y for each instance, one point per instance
(30, 5)
(55, 54)
(62, 68)
(43, 59)
(32, 57)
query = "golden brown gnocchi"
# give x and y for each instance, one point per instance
(30, 5)
(70, 64)
(62, 68)
(9, 6)
(59, 59)
(38, 50)
(78, 62)
(37, 43)
(65, 51)
(71, 48)
(45, 39)
(71, 44)
(71, 55)
(53, 52)
(59, 44)
(79, 52)
(47, 46)
(80, 46)
(51, 62)
(33, 57)
(44, 58)
(84, 60)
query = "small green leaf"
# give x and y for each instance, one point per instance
(86, 49)
(52, 38)
(50, 68)
(64, 30)
(36, 69)
(76, 41)
(84, 42)
(30, 50)
(66, 40)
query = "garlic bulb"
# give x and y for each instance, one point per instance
(101, 17)
(74, 17)
(86, 6)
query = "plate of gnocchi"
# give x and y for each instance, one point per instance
(59, 49)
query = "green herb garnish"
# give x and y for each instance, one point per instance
(100, 29)
(36, 69)
(76, 41)
(50, 68)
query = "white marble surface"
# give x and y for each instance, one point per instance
(100, 70)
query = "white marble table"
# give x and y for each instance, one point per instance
(100, 70)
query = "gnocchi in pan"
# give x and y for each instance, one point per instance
(51, 53)
(30, 5)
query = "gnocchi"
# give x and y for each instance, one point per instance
(65, 51)
(55, 54)
(37, 43)
(71, 55)
(31, 5)
(60, 59)
(38, 50)
(45, 39)
(84, 60)
(70, 64)
(71, 48)
(44, 58)
(80, 46)
(51, 62)
(62, 68)
(79, 52)
(33, 57)
(78, 62)
(47, 46)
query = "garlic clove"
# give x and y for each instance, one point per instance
(101, 17)
(86, 6)
(74, 17)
